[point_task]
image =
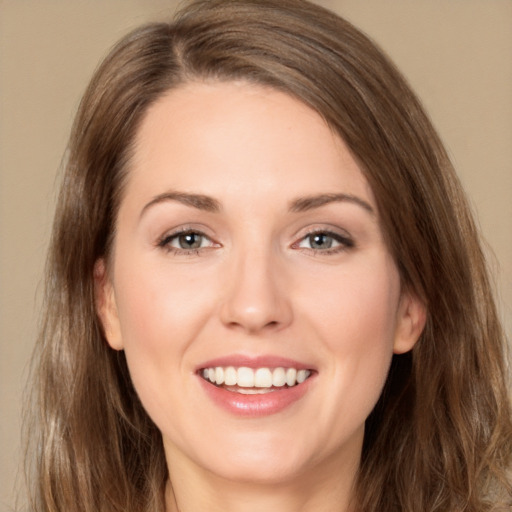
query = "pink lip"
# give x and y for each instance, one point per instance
(263, 361)
(258, 405)
(254, 406)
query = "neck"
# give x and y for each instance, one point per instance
(324, 489)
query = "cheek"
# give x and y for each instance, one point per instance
(157, 303)
(160, 314)
(355, 317)
(356, 306)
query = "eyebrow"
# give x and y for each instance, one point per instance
(303, 204)
(199, 201)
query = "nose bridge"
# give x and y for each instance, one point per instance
(255, 295)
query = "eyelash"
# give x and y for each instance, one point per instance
(345, 242)
(165, 242)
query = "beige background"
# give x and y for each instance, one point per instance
(457, 54)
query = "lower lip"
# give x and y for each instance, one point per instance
(255, 405)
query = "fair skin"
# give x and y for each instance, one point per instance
(247, 236)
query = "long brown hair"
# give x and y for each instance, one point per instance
(440, 437)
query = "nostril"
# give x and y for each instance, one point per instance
(253, 325)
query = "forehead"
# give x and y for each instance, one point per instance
(241, 138)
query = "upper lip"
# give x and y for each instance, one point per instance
(260, 361)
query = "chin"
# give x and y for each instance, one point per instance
(264, 472)
(260, 458)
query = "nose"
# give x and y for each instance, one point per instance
(256, 294)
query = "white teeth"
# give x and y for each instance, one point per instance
(279, 377)
(302, 375)
(230, 376)
(253, 391)
(254, 380)
(219, 375)
(291, 376)
(263, 378)
(245, 377)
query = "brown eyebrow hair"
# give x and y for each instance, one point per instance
(303, 204)
(198, 201)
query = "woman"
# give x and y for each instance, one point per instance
(265, 289)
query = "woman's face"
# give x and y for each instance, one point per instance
(248, 251)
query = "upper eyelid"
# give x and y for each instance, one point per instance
(185, 229)
(344, 242)
(327, 229)
(334, 231)
(166, 243)
(344, 238)
(168, 236)
(332, 234)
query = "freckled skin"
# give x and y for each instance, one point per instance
(256, 285)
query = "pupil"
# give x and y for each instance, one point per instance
(190, 241)
(320, 241)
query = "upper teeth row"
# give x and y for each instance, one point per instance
(259, 377)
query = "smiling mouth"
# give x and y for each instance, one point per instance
(251, 381)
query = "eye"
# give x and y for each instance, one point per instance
(325, 241)
(185, 241)
(189, 241)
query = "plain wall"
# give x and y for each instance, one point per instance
(456, 54)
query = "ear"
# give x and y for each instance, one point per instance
(411, 318)
(106, 307)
